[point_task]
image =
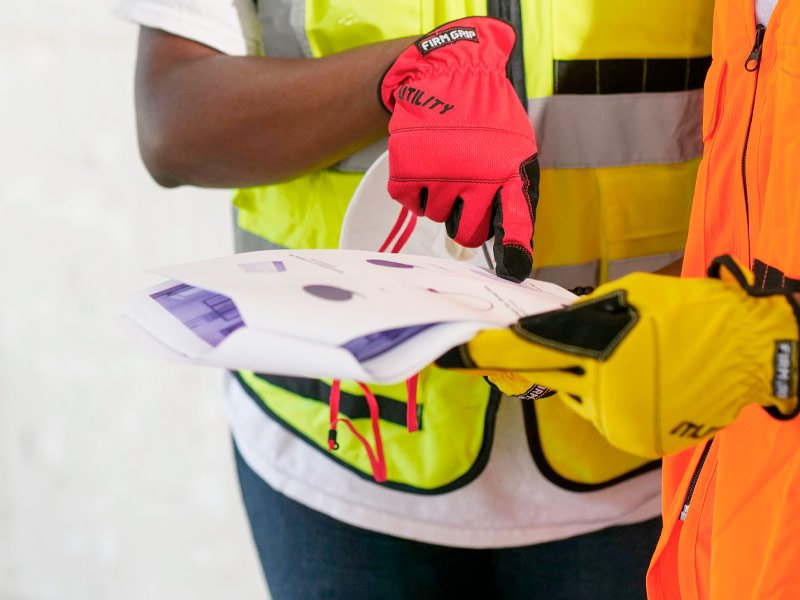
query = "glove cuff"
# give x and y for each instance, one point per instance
(480, 42)
(785, 385)
(789, 359)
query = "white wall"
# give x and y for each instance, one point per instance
(116, 475)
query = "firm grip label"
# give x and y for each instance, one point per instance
(440, 39)
(783, 379)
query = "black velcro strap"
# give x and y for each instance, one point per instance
(769, 281)
(593, 328)
(629, 75)
(770, 278)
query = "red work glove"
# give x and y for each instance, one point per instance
(461, 147)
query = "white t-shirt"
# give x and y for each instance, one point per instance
(230, 26)
(764, 10)
(509, 504)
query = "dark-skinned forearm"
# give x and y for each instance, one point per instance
(213, 120)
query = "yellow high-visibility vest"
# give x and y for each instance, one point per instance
(614, 91)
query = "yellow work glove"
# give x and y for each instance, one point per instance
(656, 363)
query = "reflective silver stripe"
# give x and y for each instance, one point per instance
(648, 264)
(615, 130)
(593, 131)
(570, 276)
(244, 241)
(572, 131)
(283, 28)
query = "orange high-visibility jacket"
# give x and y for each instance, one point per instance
(739, 536)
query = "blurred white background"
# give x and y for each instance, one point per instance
(116, 473)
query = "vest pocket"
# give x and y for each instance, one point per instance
(714, 93)
(776, 165)
(788, 59)
(456, 413)
(571, 453)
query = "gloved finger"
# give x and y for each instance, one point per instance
(522, 383)
(441, 197)
(411, 194)
(517, 370)
(513, 235)
(514, 216)
(582, 290)
(510, 383)
(502, 350)
(469, 223)
(537, 392)
(515, 365)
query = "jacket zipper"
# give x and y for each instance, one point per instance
(693, 483)
(751, 65)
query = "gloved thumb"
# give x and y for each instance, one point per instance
(514, 215)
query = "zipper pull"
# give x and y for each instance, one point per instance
(754, 60)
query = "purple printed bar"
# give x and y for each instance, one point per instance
(380, 342)
(209, 315)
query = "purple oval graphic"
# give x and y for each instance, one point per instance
(329, 292)
(389, 263)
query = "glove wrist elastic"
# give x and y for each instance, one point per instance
(435, 54)
(769, 324)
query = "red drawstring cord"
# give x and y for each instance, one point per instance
(377, 461)
(412, 222)
(395, 229)
(398, 224)
(333, 401)
(411, 403)
(376, 458)
(411, 384)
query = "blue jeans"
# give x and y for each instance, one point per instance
(309, 556)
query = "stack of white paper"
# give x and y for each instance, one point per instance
(343, 314)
